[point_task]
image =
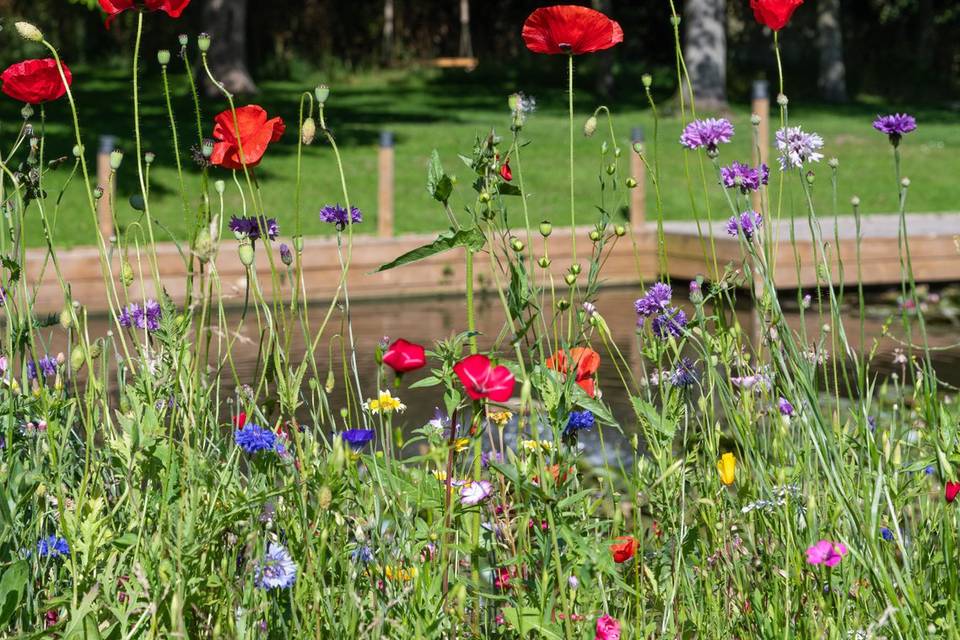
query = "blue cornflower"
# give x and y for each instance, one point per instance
(53, 547)
(886, 534)
(357, 438)
(253, 438)
(929, 470)
(362, 554)
(579, 421)
(276, 570)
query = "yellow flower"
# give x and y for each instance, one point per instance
(499, 418)
(440, 475)
(461, 444)
(727, 466)
(385, 403)
(531, 445)
(400, 573)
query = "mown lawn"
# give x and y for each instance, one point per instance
(446, 110)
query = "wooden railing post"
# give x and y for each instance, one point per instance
(638, 195)
(105, 204)
(385, 185)
(761, 150)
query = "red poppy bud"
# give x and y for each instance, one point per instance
(240, 420)
(774, 13)
(950, 490)
(403, 356)
(505, 172)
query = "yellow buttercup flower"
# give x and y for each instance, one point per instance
(532, 445)
(460, 444)
(500, 418)
(385, 403)
(727, 466)
(400, 573)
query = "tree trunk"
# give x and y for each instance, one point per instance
(833, 76)
(705, 52)
(604, 59)
(226, 22)
(388, 26)
(466, 44)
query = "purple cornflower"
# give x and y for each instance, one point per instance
(579, 421)
(895, 125)
(670, 323)
(250, 226)
(684, 374)
(335, 214)
(253, 438)
(357, 438)
(886, 534)
(655, 301)
(786, 409)
(142, 317)
(276, 570)
(798, 147)
(747, 223)
(286, 256)
(707, 134)
(744, 177)
(47, 365)
(53, 547)
(487, 457)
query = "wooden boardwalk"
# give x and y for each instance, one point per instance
(632, 260)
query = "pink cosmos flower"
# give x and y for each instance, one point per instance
(826, 552)
(607, 628)
(472, 493)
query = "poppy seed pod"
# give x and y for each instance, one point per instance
(647, 80)
(97, 192)
(149, 157)
(28, 32)
(308, 131)
(203, 42)
(183, 39)
(27, 111)
(66, 318)
(220, 186)
(206, 147)
(546, 228)
(905, 182)
(163, 57)
(855, 201)
(77, 357)
(116, 159)
(323, 93)
(590, 126)
(246, 254)
(126, 273)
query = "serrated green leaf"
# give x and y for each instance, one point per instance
(472, 239)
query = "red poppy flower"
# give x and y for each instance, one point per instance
(505, 171)
(950, 490)
(240, 420)
(774, 13)
(623, 551)
(256, 134)
(403, 356)
(587, 362)
(35, 81)
(570, 29)
(483, 380)
(172, 8)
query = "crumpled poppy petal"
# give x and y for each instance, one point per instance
(570, 29)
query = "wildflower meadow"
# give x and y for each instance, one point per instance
(787, 481)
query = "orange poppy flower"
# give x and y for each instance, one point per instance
(587, 362)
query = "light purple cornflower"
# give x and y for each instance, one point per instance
(142, 317)
(707, 134)
(747, 223)
(335, 214)
(276, 570)
(754, 382)
(47, 365)
(250, 227)
(785, 408)
(472, 493)
(744, 177)
(895, 125)
(656, 300)
(798, 147)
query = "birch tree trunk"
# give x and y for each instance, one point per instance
(466, 43)
(226, 22)
(833, 75)
(705, 52)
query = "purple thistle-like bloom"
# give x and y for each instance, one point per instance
(895, 125)
(747, 223)
(798, 147)
(142, 317)
(253, 438)
(670, 323)
(276, 570)
(152, 313)
(707, 134)
(656, 300)
(744, 177)
(250, 226)
(53, 547)
(335, 214)
(47, 365)
(357, 438)
(684, 375)
(785, 408)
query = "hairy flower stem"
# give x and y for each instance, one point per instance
(573, 209)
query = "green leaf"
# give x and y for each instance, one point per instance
(439, 184)
(13, 266)
(473, 239)
(649, 413)
(12, 584)
(507, 189)
(429, 381)
(528, 619)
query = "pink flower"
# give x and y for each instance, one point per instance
(483, 380)
(826, 552)
(473, 493)
(607, 628)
